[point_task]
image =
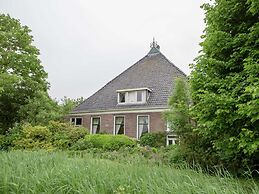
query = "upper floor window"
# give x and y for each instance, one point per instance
(77, 121)
(133, 96)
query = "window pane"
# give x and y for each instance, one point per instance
(139, 96)
(96, 120)
(122, 97)
(143, 119)
(143, 126)
(78, 121)
(96, 125)
(73, 120)
(119, 125)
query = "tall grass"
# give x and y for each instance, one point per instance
(58, 172)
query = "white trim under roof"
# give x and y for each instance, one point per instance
(120, 111)
(133, 89)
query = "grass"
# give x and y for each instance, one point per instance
(60, 172)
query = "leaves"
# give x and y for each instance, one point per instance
(21, 73)
(225, 83)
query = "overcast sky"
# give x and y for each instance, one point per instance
(84, 44)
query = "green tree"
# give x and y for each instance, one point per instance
(225, 84)
(40, 110)
(179, 103)
(68, 104)
(21, 73)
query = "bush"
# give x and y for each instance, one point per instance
(153, 139)
(105, 142)
(33, 137)
(82, 144)
(172, 155)
(65, 135)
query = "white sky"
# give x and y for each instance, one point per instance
(84, 44)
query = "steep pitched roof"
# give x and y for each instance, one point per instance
(154, 71)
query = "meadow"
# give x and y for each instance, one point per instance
(63, 172)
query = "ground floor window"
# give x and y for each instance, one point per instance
(119, 125)
(143, 125)
(172, 139)
(76, 121)
(96, 125)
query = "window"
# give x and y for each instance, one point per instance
(122, 97)
(143, 125)
(139, 96)
(77, 121)
(172, 140)
(119, 125)
(96, 125)
(133, 96)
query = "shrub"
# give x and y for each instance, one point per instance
(82, 144)
(105, 142)
(153, 139)
(172, 155)
(65, 135)
(33, 137)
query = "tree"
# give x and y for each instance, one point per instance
(225, 84)
(21, 74)
(40, 110)
(67, 104)
(179, 102)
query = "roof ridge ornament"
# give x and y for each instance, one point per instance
(155, 48)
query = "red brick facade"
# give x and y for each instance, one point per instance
(156, 122)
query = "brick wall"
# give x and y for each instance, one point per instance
(107, 122)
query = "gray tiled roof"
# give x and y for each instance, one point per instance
(154, 71)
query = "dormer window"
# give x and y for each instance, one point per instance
(122, 97)
(133, 96)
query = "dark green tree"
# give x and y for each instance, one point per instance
(225, 84)
(21, 74)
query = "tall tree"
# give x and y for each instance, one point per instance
(21, 73)
(179, 102)
(225, 83)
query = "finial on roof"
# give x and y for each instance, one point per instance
(155, 48)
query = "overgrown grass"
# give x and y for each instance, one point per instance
(60, 172)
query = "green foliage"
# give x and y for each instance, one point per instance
(59, 172)
(153, 139)
(33, 137)
(55, 135)
(65, 135)
(105, 142)
(40, 110)
(178, 116)
(225, 82)
(21, 74)
(67, 104)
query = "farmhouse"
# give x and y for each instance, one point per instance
(133, 102)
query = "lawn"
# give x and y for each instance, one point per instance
(61, 172)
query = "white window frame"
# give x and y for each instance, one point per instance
(138, 124)
(174, 139)
(145, 95)
(114, 127)
(75, 121)
(91, 128)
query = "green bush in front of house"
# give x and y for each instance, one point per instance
(105, 142)
(65, 135)
(153, 139)
(33, 137)
(55, 135)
